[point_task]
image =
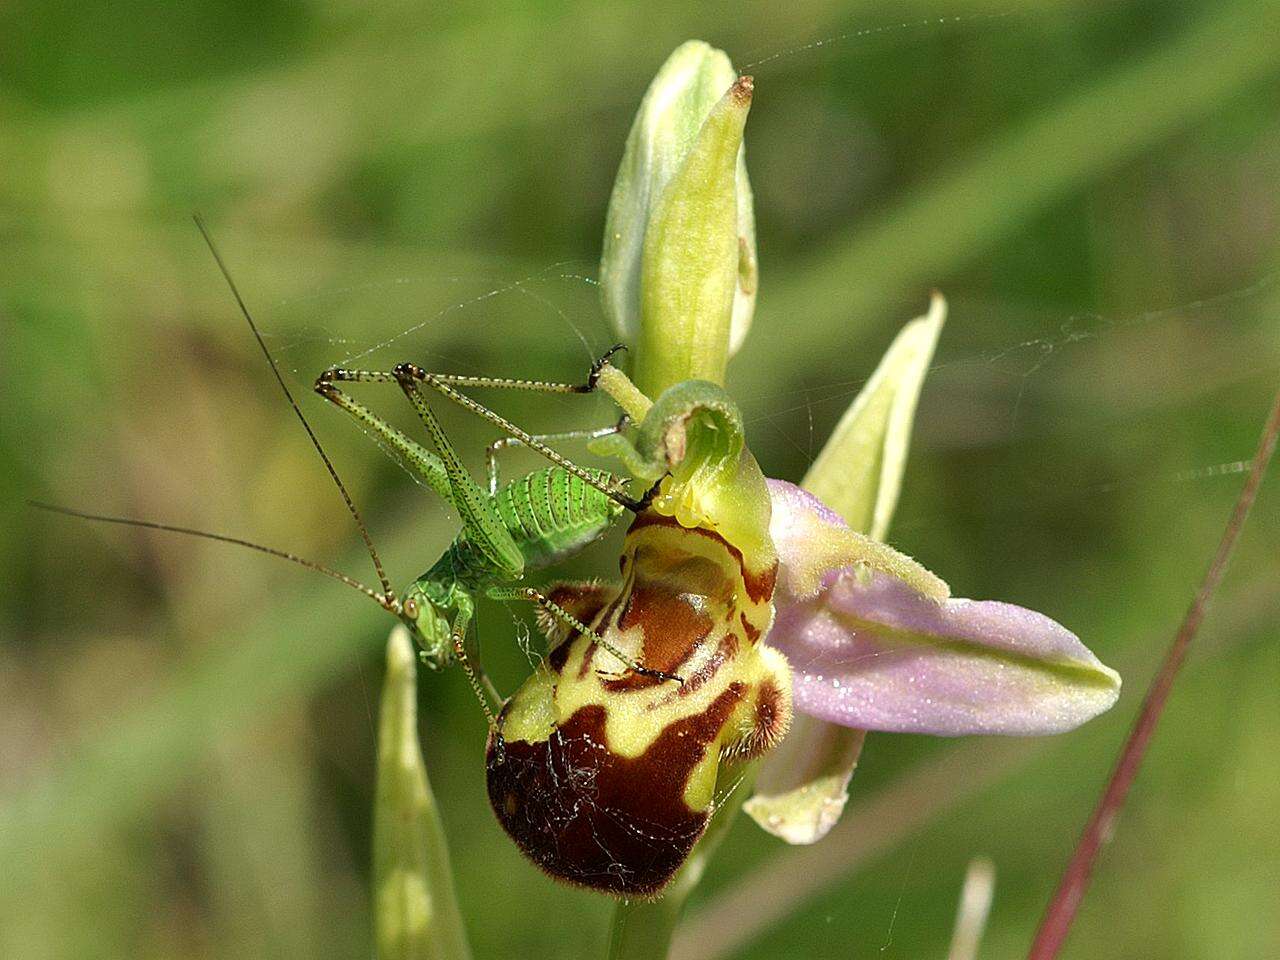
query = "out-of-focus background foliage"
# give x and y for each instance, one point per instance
(186, 742)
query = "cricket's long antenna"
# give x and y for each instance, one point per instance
(383, 600)
(315, 441)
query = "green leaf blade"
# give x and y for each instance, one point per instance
(416, 913)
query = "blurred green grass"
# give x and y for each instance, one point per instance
(186, 749)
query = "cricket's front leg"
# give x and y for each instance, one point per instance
(575, 625)
(417, 458)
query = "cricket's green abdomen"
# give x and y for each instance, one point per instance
(551, 514)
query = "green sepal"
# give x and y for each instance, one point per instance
(859, 472)
(804, 786)
(689, 268)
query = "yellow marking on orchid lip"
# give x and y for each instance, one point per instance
(699, 789)
(731, 500)
(530, 715)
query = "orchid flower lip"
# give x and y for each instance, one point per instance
(873, 652)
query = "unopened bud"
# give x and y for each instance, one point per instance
(678, 273)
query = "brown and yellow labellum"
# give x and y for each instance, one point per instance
(605, 777)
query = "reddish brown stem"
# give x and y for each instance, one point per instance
(1075, 879)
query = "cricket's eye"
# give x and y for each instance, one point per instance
(411, 609)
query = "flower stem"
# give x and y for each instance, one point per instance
(642, 929)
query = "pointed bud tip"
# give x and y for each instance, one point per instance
(697, 281)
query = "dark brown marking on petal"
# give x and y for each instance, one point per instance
(582, 600)
(726, 649)
(760, 585)
(749, 629)
(595, 819)
(557, 657)
(673, 626)
(651, 518)
(588, 656)
(607, 617)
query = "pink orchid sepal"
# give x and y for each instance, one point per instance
(802, 789)
(875, 644)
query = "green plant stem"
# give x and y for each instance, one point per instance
(642, 929)
(1061, 911)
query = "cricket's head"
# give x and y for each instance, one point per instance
(430, 610)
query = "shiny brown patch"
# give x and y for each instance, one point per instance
(592, 818)
(672, 625)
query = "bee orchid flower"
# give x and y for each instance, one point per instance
(874, 641)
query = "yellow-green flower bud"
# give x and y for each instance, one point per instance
(678, 273)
